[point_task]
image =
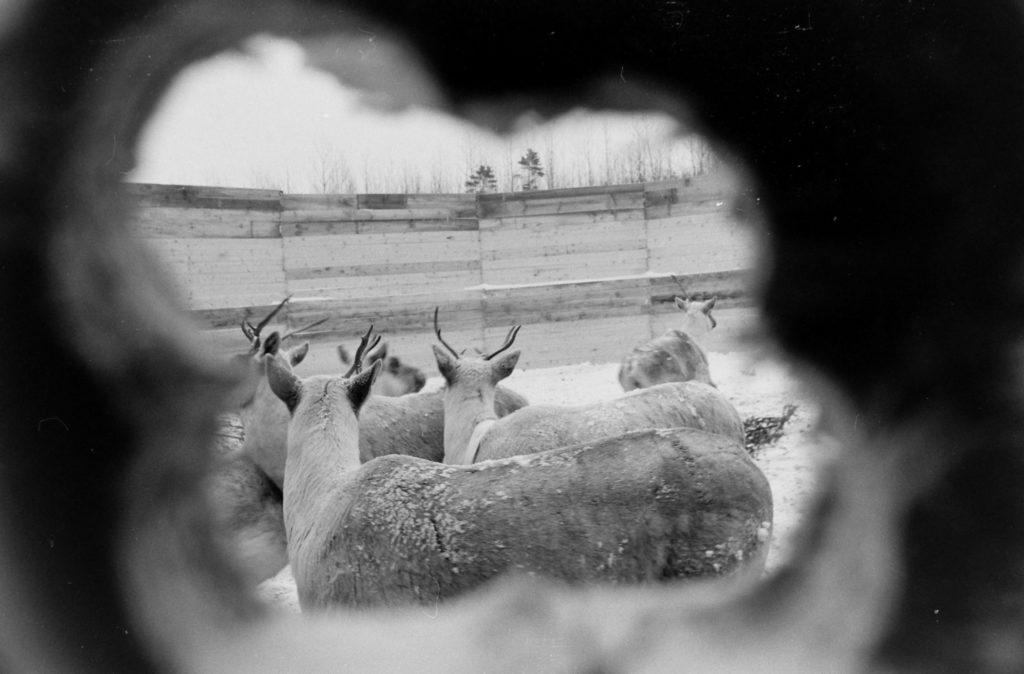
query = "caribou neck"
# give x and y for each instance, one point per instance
(463, 414)
(323, 448)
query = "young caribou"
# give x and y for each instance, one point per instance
(396, 378)
(651, 506)
(473, 431)
(244, 490)
(677, 355)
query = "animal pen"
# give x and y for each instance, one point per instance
(588, 272)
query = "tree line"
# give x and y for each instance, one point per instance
(551, 165)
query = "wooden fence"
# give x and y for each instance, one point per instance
(588, 272)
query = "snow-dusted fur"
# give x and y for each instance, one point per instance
(651, 506)
(677, 355)
(473, 432)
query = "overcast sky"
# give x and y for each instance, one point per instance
(262, 118)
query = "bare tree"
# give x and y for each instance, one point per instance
(549, 152)
(329, 174)
(702, 157)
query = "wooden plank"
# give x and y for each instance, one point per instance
(518, 205)
(377, 270)
(377, 289)
(693, 190)
(382, 201)
(363, 241)
(458, 205)
(562, 231)
(334, 255)
(627, 218)
(612, 234)
(366, 227)
(600, 245)
(637, 285)
(161, 221)
(317, 202)
(364, 214)
(732, 284)
(612, 263)
(202, 196)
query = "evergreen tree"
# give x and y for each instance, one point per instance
(532, 170)
(482, 180)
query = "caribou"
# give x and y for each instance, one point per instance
(396, 378)
(245, 481)
(677, 355)
(652, 506)
(473, 431)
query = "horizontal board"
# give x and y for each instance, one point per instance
(317, 202)
(364, 214)
(382, 287)
(361, 241)
(161, 222)
(383, 201)
(354, 270)
(544, 248)
(541, 223)
(341, 258)
(458, 205)
(575, 266)
(732, 284)
(633, 283)
(701, 262)
(690, 190)
(196, 196)
(570, 201)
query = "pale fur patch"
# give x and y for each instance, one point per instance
(473, 446)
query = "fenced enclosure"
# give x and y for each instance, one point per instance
(588, 272)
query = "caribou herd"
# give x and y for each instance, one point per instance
(371, 500)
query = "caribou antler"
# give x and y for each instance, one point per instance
(509, 338)
(304, 328)
(365, 344)
(437, 331)
(252, 332)
(679, 283)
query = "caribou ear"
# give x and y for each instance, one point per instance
(504, 365)
(272, 343)
(283, 382)
(710, 304)
(359, 385)
(681, 303)
(445, 363)
(298, 354)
